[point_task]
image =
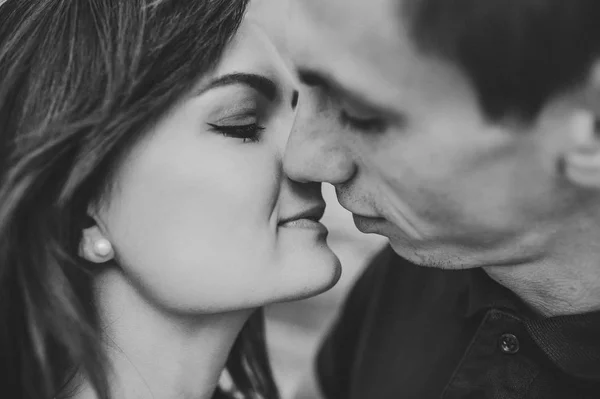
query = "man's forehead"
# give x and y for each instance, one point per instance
(333, 9)
(360, 43)
(356, 19)
(344, 31)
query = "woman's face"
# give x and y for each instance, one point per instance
(198, 215)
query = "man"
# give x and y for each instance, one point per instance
(468, 133)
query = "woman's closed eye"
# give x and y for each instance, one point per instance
(248, 132)
(244, 127)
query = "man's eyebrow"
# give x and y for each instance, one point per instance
(312, 77)
(260, 83)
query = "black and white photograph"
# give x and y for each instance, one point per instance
(299, 199)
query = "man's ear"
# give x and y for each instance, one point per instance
(94, 246)
(582, 161)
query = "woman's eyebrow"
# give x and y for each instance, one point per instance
(262, 84)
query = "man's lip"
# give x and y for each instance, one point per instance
(354, 213)
(360, 219)
(358, 215)
(363, 216)
(367, 224)
(314, 213)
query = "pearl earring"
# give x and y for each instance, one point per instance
(102, 247)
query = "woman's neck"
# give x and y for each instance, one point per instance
(154, 354)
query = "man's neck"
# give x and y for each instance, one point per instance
(154, 356)
(566, 282)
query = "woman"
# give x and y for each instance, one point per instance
(144, 213)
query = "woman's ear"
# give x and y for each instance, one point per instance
(582, 161)
(94, 246)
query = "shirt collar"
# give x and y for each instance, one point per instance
(572, 343)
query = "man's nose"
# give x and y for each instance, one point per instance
(315, 153)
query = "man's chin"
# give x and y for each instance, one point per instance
(406, 249)
(420, 256)
(403, 243)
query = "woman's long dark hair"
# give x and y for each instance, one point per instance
(80, 82)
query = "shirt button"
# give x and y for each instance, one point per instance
(509, 344)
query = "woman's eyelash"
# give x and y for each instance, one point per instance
(248, 133)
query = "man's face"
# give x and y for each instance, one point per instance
(401, 136)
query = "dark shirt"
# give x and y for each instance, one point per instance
(410, 332)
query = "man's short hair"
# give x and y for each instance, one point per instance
(517, 53)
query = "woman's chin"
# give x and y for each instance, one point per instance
(311, 275)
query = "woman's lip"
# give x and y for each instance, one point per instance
(314, 213)
(304, 223)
